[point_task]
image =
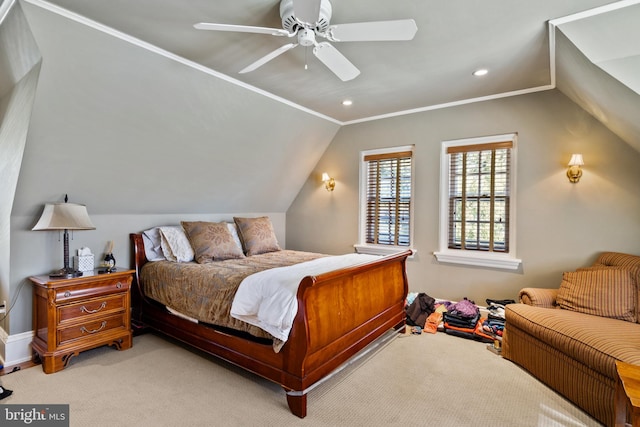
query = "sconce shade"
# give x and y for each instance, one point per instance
(329, 183)
(64, 216)
(576, 160)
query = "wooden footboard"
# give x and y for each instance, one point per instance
(339, 313)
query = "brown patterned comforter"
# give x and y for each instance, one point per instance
(205, 291)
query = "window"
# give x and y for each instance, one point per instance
(386, 200)
(477, 202)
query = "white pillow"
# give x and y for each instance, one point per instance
(152, 244)
(175, 244)
(233, 228)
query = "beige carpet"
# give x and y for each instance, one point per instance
(415, 380)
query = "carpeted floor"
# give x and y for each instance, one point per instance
(415, 380)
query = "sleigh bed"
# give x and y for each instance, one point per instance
(338, 314)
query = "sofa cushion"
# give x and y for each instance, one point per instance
(627, 261)
(617, 259)
(591, 340)
(606, 292)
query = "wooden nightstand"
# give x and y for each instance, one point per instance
(627, 394)
(73, 315)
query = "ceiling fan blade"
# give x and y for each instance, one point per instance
(403, 29)
(335, 61)
(241, 29)
(307, 11)
(260, 62)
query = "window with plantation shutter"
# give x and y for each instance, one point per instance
(387, 192)
(477, 202)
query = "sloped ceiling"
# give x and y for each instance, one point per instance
(131, 86)
(598, 66)
(508, 37)
(454, 38)
(611, 40)
(112, 118)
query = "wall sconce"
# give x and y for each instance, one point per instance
(575, 171)
(329, 183)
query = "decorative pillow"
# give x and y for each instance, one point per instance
(211, 241)
(152, 244)
(601, 292)
(175, 244)
(257, 235)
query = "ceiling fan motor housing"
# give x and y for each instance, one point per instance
(291, 24)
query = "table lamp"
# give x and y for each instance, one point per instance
(64, 216)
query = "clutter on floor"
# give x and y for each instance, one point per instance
(462, 319)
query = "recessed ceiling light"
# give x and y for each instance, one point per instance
(481, 72)
(347, 102)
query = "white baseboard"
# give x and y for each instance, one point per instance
(16, 348)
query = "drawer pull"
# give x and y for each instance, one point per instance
(86, 310)
(86, 331)
(119, 285)
(67, 294)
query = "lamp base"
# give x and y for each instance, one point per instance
(65, 273)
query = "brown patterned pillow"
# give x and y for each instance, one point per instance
(601, 292)
(211, 241)
(257, 235)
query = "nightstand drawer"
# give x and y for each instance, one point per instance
(89, 329)
(92, 289)
(95, 307)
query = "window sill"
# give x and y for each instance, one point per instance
(504, 262)
(382, 249)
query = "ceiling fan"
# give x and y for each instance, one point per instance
(309, 19)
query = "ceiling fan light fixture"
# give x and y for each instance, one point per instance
(306, 37)
(481, 72)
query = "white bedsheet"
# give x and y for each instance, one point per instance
(267, 299)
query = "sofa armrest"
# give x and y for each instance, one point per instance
(538, 297)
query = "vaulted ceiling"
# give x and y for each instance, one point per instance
(119, 73)
(509, 38)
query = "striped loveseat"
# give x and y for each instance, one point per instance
(569, 338)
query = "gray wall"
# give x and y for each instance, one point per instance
(142, 140)
(560, 226)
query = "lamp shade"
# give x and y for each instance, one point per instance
(64, 216)
(576, 160)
